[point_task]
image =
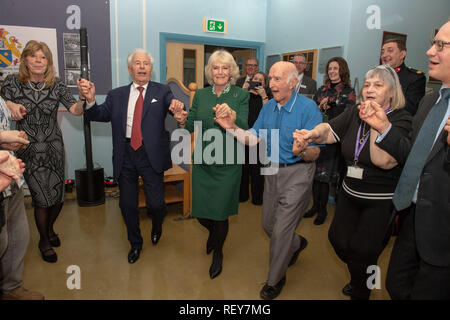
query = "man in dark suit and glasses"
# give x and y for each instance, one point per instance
(140, 142)
(251, 67)
(305, 85)
(420, 261)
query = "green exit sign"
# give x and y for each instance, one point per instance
(213, 25)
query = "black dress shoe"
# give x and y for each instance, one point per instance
(303, 244)
(271, 292)
(216, 266)
(347, 290)
(310, 213)
(156, 235)
(133, 255)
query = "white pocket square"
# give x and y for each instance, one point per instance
(154, 100)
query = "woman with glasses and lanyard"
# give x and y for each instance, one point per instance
(360, 228)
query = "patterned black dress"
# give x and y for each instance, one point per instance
(44, 156)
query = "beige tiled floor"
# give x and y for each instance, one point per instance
(94, 239)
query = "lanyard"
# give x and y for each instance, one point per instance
(361, 141)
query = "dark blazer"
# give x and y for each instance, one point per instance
(154, 135)
(413, 85)
(240, 82)
(308, 86)
(432, 218)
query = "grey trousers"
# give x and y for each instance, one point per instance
(14, 238)
(286, 197)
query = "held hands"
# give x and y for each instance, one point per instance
(225, 116)
(11, 168)
(86, 89)
(246, 85)
(302, 138)
(13, 139)
(177, 108)
(374, 115)
(18, 111)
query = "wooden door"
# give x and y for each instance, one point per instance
(185, 62)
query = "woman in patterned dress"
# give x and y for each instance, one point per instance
(33, 97)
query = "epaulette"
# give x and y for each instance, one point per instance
(415, 71)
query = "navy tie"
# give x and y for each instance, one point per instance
(419, 153)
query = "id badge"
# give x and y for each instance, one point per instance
(355, 172)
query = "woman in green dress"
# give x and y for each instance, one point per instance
(216, 177)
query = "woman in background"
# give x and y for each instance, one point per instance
(332, 98)
(251, 169)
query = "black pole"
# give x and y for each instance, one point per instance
(89, 182)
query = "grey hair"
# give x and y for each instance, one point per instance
(139, 50)
(299, 55)
(389, 76)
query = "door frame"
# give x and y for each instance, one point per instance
(177, 37)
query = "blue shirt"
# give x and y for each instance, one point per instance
(298, 113)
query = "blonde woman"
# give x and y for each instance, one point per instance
(215, 194)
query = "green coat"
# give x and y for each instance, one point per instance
(215, 185)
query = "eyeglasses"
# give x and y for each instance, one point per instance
(251, 65)
(439, 44)
(296, 62)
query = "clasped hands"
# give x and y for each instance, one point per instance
(179, 114)
(13, 140)
(225, 116)
(86, 89)
(302, 138)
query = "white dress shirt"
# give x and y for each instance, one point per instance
(134, 94)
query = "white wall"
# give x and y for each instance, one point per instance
(294, 25)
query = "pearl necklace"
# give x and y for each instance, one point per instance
(34, 89)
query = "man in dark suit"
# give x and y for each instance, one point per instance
(251, 67)
(305, 85)
(413, 81)
(140, 142)
(420, 261)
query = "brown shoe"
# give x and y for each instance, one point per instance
(21, 293)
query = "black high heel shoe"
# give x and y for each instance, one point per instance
(54, 241)
(216, 266)
(52, 258)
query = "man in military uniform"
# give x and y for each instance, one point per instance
(413, 81)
